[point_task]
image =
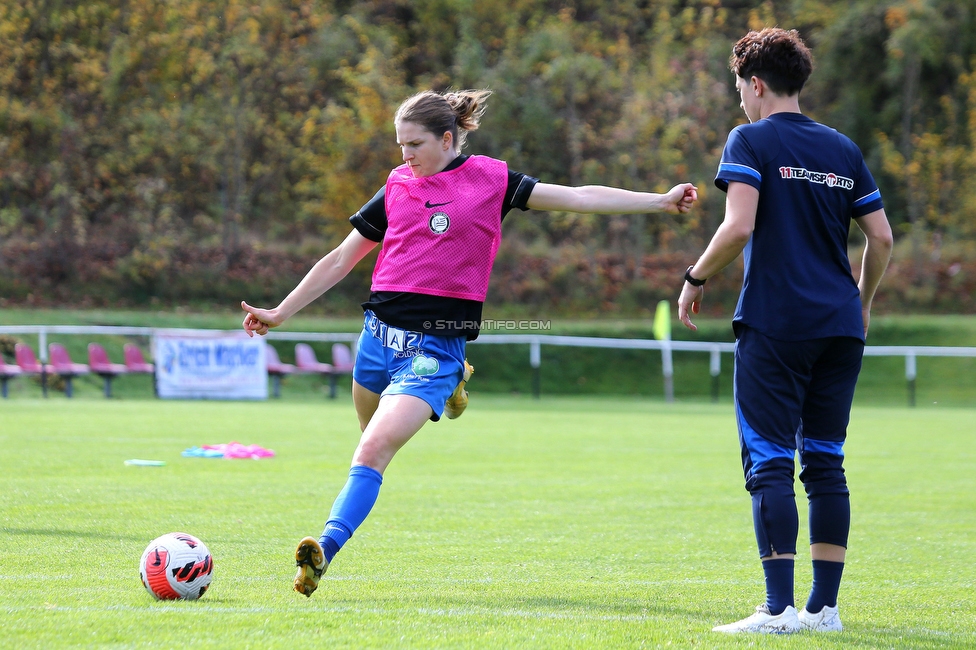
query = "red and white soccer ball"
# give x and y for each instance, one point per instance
(176, 566)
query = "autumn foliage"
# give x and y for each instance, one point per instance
(197, 151)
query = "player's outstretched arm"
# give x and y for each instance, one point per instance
(322, 277)
(877, 252)
(611, 200)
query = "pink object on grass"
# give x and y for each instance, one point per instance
(237, 450)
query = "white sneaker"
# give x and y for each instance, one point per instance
(826, 620)
(764, 623)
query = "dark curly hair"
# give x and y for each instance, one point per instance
(777, 56)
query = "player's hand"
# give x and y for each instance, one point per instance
(680, 198)
(689, 302)
(259, 320)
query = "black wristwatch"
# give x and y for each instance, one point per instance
(695, 282)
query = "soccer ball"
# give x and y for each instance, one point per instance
(176, 566)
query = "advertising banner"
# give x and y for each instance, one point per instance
(192, 366)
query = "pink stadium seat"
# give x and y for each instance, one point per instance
(62, 365)
(342, 358)
(29, 365)
(134, 361)
(342, 364)
(306, 362)
(276, 369)
(27, 361)
(102, 366)
(7, 372)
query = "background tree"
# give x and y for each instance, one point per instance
(198, 150)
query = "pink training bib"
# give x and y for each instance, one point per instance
(443, 230)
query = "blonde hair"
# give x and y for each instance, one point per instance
(456, 111)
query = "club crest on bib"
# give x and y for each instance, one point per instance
(439, 223)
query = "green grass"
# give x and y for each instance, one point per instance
(559, 523)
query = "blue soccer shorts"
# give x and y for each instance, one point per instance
(792, 394)
(393, 361)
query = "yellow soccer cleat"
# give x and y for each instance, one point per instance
(311, 564)
(458, 401)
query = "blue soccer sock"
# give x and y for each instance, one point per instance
(779, 584)
(350, 508)
(826, 584)
(332, 539)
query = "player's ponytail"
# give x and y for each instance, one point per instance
(469, 106)
(457, 111)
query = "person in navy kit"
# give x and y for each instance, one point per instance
(793, 187)
(439, 218)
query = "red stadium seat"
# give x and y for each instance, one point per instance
(102, 366)
(342, 364)
(306, 362)
(29, 365)
(134, 361)
(62, 365)
(342, 359)
(26, 360)
(7, 372)
(276, 369)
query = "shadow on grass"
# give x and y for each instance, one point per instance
(626, 608)
(49, 532)
(908, 637)
(553, 608)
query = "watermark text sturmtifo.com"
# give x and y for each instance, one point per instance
(490, 324)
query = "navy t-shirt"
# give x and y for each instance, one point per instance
(812, 181)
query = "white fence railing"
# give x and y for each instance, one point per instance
(534, 341)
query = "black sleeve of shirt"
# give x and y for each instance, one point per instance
(371, 221)
(519, 190)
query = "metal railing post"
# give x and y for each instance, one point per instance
(667, 368)
(535, 360)
(910, 374)
(42, 355)
(715, 369)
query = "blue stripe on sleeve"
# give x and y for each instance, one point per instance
(735, 168)
(867, 199)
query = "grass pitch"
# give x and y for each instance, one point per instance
(560, 523)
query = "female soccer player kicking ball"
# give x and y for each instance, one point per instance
(439, 217)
